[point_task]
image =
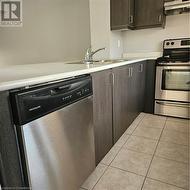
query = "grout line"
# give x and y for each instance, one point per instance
(173, 143)
(126, 171)
(100, 178)
(166, 183)
(180, 162)
(146, 126)
(153, 155)
(162, 141)
(138, 151)
(146, 137)
(127, 139)
(178, 121)
(108, 166)
(175, 131)
(137, 125)
(124, 143)
(146, 177)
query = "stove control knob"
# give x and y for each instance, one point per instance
(168, 43)
(172, 43)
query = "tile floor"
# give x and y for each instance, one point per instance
(153, 154)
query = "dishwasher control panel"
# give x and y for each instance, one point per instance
(31, 104)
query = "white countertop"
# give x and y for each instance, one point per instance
(25, 75)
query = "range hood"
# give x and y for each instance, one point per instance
(176, 6)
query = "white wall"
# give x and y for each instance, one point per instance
(101, 36)
(150, 40)
(53, 30)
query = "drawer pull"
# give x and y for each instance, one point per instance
(184, 105)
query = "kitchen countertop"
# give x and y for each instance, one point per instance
(13, 77)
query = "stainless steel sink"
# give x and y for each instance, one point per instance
(103, 61)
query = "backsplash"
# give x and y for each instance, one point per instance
(150, 40)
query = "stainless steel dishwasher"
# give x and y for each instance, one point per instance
(54, 123)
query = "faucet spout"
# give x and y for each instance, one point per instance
(90, 53)
(98, 50)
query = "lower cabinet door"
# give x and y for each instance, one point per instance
(139, 75)
(102, 112)
(122, 104)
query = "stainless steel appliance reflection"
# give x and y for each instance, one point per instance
(172, 94)
(57, 136)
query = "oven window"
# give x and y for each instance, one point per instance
(178, 80)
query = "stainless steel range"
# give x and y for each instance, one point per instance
(172, 96)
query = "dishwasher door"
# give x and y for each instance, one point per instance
(59, 147)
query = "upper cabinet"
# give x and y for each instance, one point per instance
(137, 14)
(149, 14)
(122, 14)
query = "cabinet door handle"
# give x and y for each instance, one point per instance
(141, 68)
(131, 71)
(131, 19)
(160, 18)
(113, 79)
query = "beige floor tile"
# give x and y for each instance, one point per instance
(157, 117)
(177, 126)
(156, 185)
(152, 122)
(152, 133)
(141, 144)
(168, 171)
(174, 137)
(140, 117)
(131, 128)
(115, 179)
(135, 123)
(94, 177)
(122, 140)
(173, 151)
(132, 161)
(186, 121)
(110, 155)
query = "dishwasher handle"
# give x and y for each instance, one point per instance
(32, 104)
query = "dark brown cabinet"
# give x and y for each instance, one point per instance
(139, 76)
(11, 174)
(118, 99)
(102, 108)
(128, 96)
(122, 100)
(122, 14)
(137, 14)
(149, 13)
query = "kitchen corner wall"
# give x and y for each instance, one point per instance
(150, 40)
(101, 36)
(53, 30)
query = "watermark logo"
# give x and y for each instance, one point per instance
(11, 13)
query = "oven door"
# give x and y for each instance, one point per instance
(173, 83)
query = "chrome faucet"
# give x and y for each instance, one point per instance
(89, 54)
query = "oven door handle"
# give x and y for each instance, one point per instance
(183, 105)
